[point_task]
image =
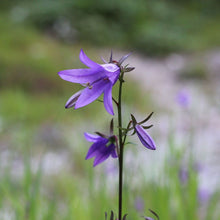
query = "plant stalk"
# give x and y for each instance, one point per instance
(121, 149)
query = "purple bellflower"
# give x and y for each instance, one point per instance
(102, 147)
(143, 135)
(97, 79)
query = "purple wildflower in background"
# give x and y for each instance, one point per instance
(139, 204)
(183, 175)
(97, 79)
(102, 148)
(183, 98)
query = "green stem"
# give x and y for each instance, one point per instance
(121, 147)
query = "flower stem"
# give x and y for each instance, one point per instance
(121, 147)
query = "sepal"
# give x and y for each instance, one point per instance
(102, 135)
(73, 99)
(123, 59)
(129, 69)
(146, 119)
(147, 127)
(111, 59)
(133, 120)
(111, 127)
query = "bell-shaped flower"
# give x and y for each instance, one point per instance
(102, 147)
(98, 79)
(143, 135)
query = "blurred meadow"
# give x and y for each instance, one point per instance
(176, 52)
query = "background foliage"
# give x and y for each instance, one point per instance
(153, 27)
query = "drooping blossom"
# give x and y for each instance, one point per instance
(101, 149)
(97, 79)
(143, 135)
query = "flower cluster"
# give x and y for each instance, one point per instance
(99, 79)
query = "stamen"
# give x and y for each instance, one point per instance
(88, 85)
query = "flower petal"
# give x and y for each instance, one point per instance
(81, 75)
(94, 150)
(102, 155)
(113, 151)
(108, 99)
(145, 138)
(84, 59)
(112, 71)
(91, 94)
(92, 137)
(72, 100)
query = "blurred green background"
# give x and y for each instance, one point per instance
(42, 149)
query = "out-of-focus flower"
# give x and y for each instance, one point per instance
(183, 175)
(203, 195)
(144, 137)
(102, 148)
(97, 79)
(139, 204)
(183, 98)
